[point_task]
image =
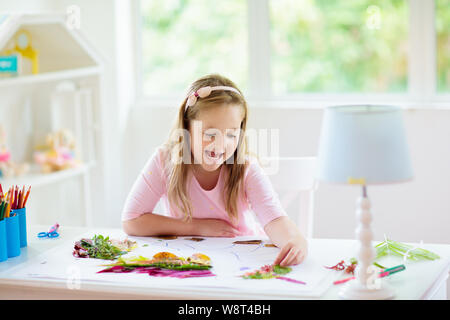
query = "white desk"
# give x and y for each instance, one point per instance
(422, 280)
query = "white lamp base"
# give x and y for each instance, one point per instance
(354, 290)
(364, 273)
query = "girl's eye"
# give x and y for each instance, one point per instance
(211, 135)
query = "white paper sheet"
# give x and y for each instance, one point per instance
(229, 262)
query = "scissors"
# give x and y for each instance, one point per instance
(52, 232)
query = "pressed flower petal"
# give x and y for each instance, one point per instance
(291, 280)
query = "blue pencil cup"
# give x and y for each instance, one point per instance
(13, 236)
(22, 225)
(3, 248)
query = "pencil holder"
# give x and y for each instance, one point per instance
(22, 225)
(12, 236)
(3, 249)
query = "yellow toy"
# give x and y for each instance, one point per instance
(58, 153)
(23, 46)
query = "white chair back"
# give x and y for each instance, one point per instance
(293, 180)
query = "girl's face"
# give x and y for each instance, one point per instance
(215, 135)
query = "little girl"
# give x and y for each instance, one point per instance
(207, 180)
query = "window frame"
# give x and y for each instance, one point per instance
(422, 67)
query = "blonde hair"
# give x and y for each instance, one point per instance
(176, 144)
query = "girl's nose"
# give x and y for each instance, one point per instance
(219, 149)
(219, 144)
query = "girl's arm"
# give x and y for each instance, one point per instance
(150, 224)
(284, 234)
(271, 214)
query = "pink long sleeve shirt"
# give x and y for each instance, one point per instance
(258, 205)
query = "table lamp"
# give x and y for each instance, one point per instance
(363, 145)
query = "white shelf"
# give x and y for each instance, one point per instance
(64, 54)
(37, 179)
(50, 76)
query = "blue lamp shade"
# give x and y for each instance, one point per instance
(363, 144)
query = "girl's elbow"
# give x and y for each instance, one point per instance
(128, 228)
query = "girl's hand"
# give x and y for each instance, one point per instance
(293, 252)
(214, 228)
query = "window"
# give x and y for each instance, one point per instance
(183, 40)
(339, 46)
(443, 45)
(298, 49)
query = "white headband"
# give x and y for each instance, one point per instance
(204, 92)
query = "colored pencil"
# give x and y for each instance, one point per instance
(7, 197)
(392, 270)
(343, 280)
(20, 199)
(8, 209)
(11, 196)
(22, 195)
(396, 268)
(26, 197)
(16, 198)
(9, 203)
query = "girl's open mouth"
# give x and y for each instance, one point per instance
(213, 155)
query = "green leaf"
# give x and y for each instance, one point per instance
(101, 248)
(379, 265)
(403, 250)
(281, 270)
